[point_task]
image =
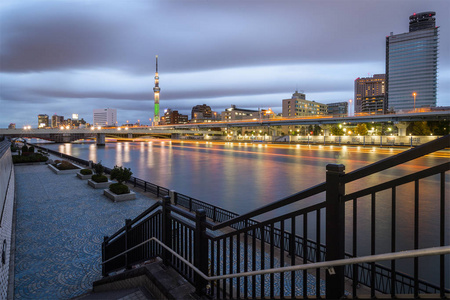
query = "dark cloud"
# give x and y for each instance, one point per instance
(63, 37)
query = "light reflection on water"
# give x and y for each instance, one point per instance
(242, 176)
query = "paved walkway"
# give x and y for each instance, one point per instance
(60, 226)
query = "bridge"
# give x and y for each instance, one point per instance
(60, 135)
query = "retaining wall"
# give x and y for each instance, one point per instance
(6, 215)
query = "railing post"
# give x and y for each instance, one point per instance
(200, 250)
(127, 229)
(105, 238)
(335, 229)
(157, 191)
(167, 228)
(214, 214)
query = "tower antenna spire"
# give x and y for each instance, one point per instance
(156, 91)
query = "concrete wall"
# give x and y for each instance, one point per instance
(6, 209)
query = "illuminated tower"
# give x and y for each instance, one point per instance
(156, 90)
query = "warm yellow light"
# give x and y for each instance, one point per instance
(67, 127)
(92, 128)
(62, 127)
(99, 127)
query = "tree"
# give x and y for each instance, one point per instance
(99, 168)
(336, 130)
(421, 128)
(361, 129)
(121, 174)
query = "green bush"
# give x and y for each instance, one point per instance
(14, 148)
(36, 157)
(99, 168)
(31, 149)
(119, 189)
(86, 172)
(24, 148)
(65, 165)
(99, 178)
(121, 174)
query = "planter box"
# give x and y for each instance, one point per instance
(62, 172)
(116, 198)
(81, 176)
(99, 185)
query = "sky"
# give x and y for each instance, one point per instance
(73, 56)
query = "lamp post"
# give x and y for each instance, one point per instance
(414, 96)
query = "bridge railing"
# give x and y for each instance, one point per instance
(285, 240)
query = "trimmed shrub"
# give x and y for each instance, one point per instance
(121, 174)
(99, 178)
(14, 148)
(86, 172)
(99, 168)
(36, 157)
(65, 165)
(24, 148)
(31, 149)
(119, 189)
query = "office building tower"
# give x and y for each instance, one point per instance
(57, 121)
(173, 117)
(298, 106)
(369, 87)
(411, 65)
(105, 117)
(43, 121)
(337, 109)
(370, 94)
(156, 91)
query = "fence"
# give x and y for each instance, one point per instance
(253, 246)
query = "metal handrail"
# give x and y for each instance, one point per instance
(398, 159)
(322, 265)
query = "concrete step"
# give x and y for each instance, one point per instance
(126, 294)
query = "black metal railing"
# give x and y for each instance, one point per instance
(282, 239)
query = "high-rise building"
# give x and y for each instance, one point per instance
(203, 113)
(173, 117)
(370, 93)
(299, 106)
(57, 121)
(43, 121)
(411, 64)
(337, 109)
(156, 91)
(105, 117)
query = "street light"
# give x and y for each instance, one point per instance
(414, 95)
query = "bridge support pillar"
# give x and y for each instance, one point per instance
(100, 139)
(130, 135)
(401, 127)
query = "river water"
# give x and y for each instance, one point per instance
(241, 177)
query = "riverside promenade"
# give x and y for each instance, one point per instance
(60, 224)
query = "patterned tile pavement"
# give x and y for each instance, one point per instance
(60, 226)
(61, 222)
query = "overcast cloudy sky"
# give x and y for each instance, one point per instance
(73, 56)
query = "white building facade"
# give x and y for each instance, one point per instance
(105, 117)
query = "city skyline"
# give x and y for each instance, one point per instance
(73, 57)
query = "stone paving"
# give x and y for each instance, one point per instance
(60, 226)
